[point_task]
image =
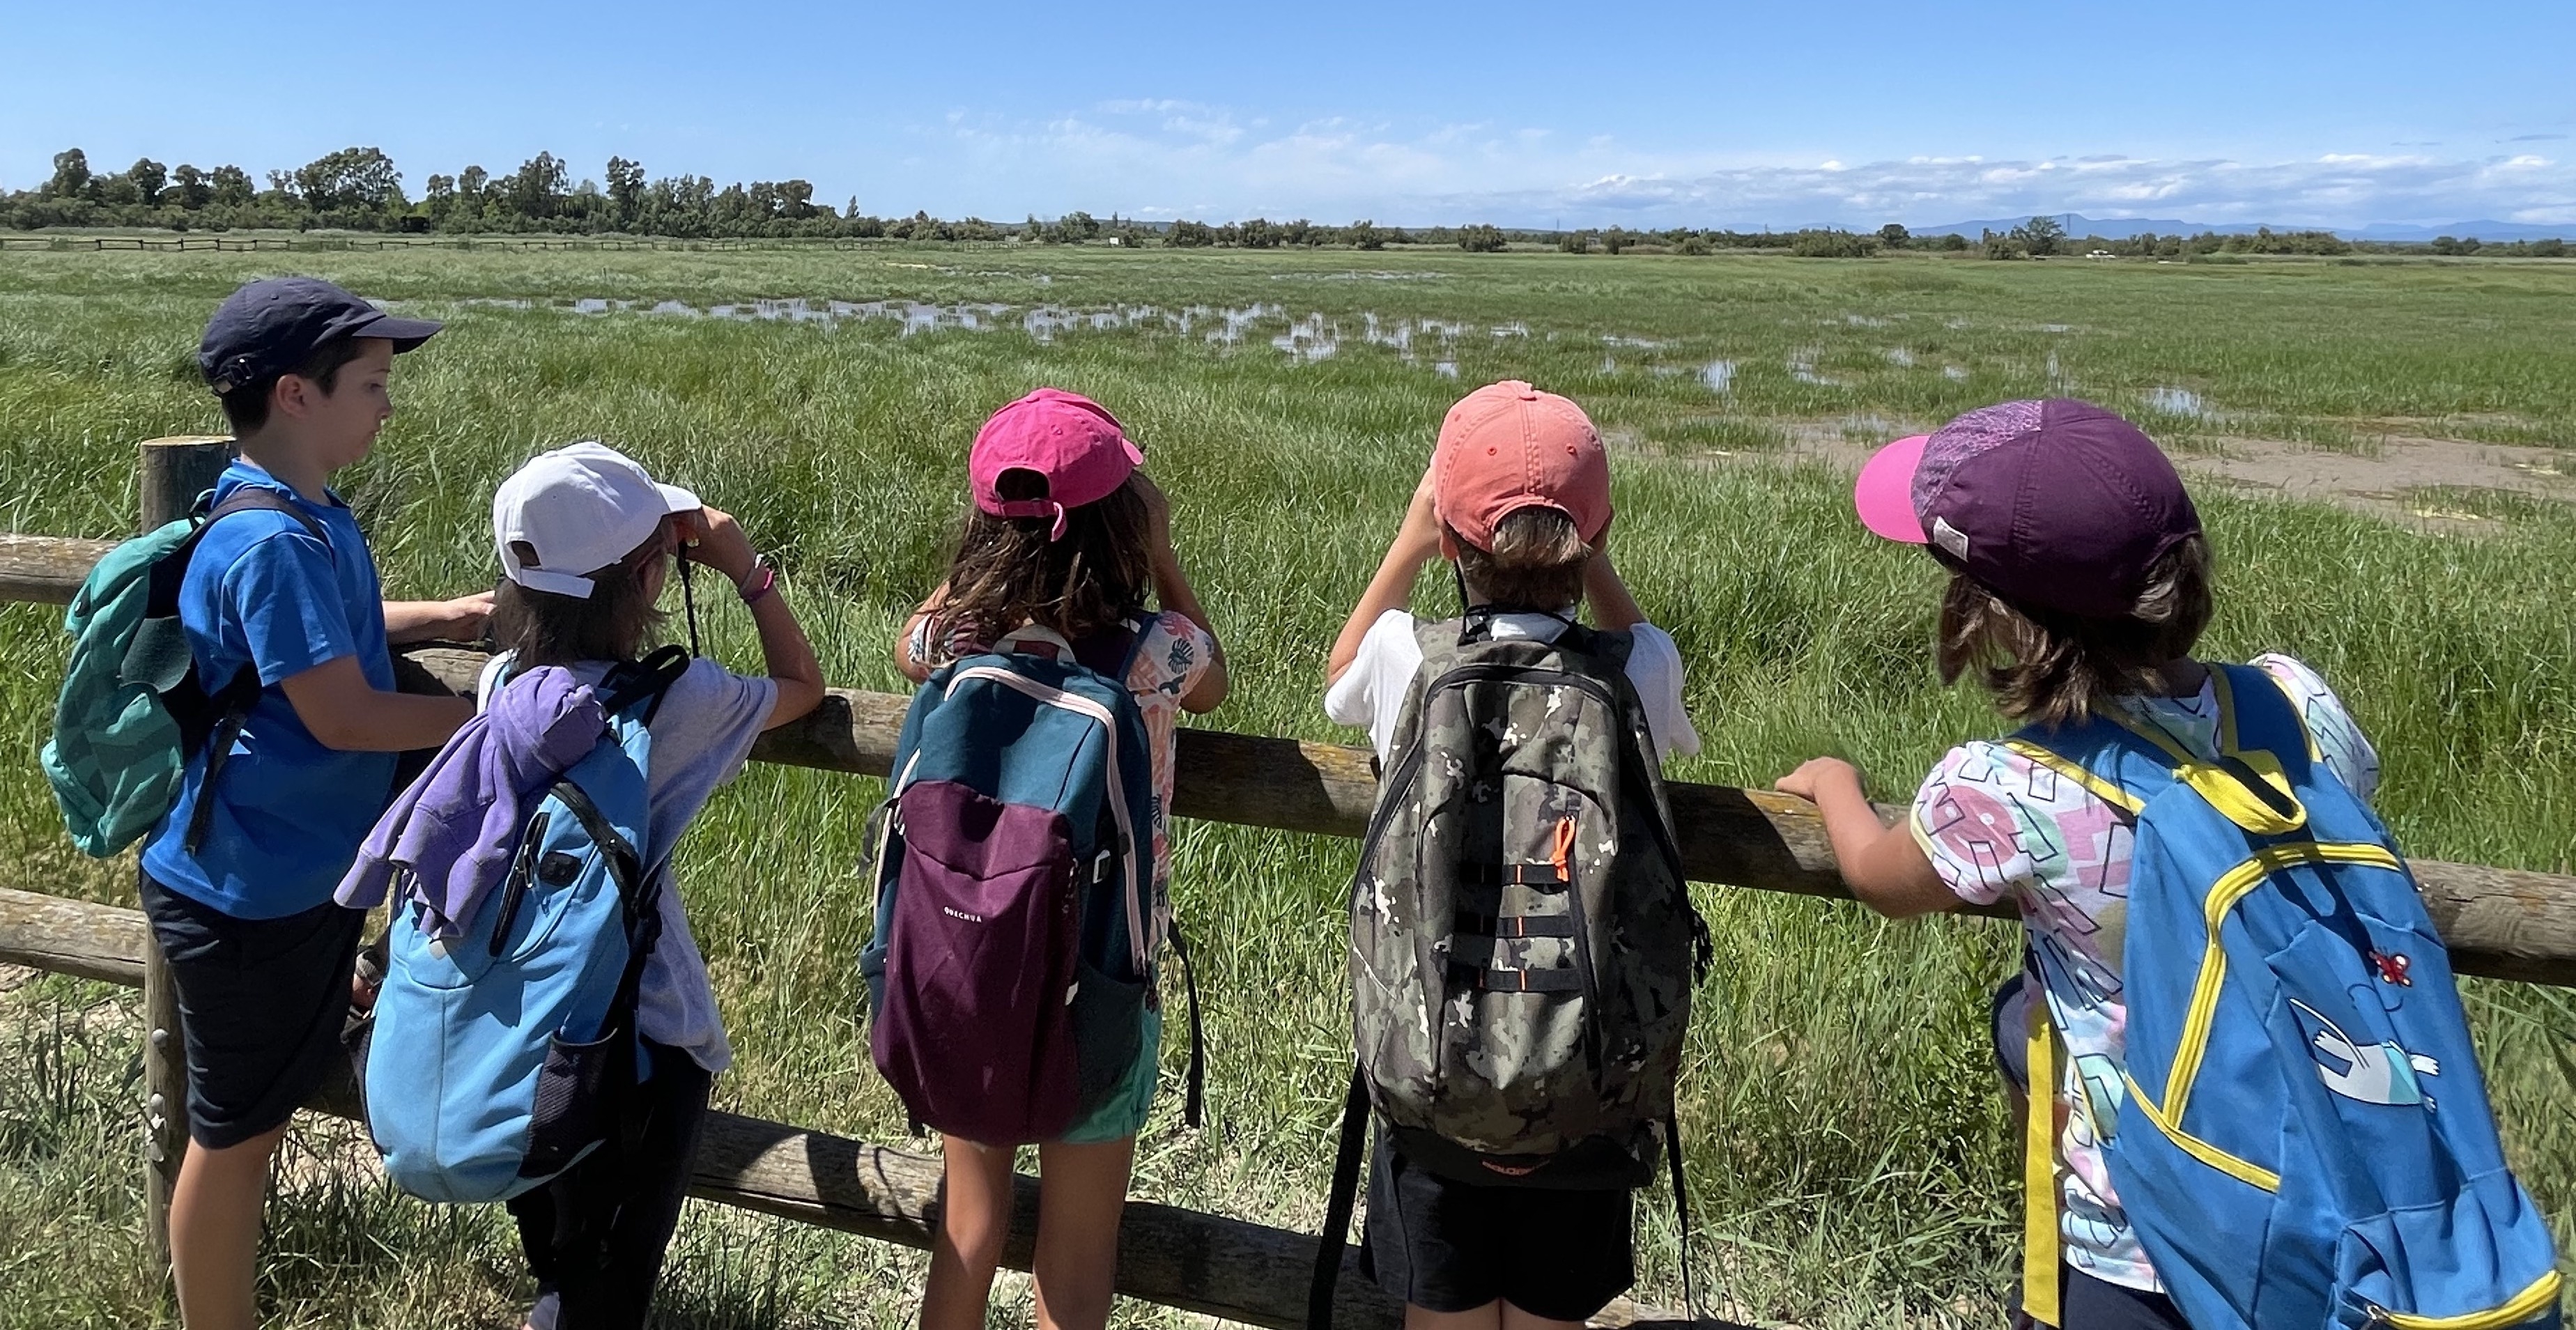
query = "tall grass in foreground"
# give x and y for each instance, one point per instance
(1849, 1161)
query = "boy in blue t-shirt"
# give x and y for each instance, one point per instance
(260, 955)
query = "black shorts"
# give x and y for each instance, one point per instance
(2086, 1303)
(1450, 1246)
(261, 1006)
(2009, 1014)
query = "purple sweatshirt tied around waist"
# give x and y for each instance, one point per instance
(454, 829)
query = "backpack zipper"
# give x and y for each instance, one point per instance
(1083, 706)
(2524, 1306)
(523, 868)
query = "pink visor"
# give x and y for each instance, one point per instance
(1884, 493)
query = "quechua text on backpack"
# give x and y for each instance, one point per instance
(2301, 1136)
(1016, 926)
(501, 1055)
(1522, 945)
(132, 711)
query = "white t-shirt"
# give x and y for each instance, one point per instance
(1370, 694)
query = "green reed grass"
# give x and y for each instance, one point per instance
(1850, 1161)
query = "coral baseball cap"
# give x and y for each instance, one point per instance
(1070, 440)
(1508, 446)
(578, 509)
(2059, 504)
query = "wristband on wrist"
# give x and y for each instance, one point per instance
(759, 582)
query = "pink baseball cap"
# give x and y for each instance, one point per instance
(1067, 438)
(1508, 446)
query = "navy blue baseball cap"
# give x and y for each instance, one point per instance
(271, 326)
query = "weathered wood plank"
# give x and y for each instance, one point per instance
(60, 935)
(2502, 923)
(2498, 922)
(46, 570)
(1231, 1268)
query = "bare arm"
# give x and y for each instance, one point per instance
(788, 657)
(458, 620)
(917, 668)
(1417, 542)
(716, 540)
(1882, 865)
(348, 714)
(1606, 592)
(1173, 592)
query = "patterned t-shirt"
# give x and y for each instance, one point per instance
(1997, 824)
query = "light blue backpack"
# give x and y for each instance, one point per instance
(501, 1056)
(2302, 1137)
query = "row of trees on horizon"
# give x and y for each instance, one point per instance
(359, 189)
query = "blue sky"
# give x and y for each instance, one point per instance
(1526, 114)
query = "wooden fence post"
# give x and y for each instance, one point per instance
(173, 473)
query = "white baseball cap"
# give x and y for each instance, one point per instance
(580, 508)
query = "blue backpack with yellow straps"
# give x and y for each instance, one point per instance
(2302, 1135)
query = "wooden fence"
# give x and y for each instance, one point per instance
(2498, 922)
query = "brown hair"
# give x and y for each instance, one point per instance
(1537, 562)
(546, 628)
(2052, 668)
(1007, 573)
(246, 406)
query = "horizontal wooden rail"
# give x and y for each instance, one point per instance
(2499, 922)
(1229, 1268)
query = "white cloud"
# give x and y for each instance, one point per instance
(1160, 158)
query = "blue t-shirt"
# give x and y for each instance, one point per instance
(288, 813)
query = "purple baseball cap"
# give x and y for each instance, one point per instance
(2059, 504)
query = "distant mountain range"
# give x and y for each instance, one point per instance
(2120, 228)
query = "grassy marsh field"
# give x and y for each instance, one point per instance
(1849, 1158)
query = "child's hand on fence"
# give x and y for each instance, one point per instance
(716, 540)
(1817, 776)
(458, 620)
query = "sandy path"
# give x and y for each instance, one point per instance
(2403, 476)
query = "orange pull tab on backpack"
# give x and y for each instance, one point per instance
(1561, 853)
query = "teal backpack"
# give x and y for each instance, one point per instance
(132, 710)
(2300, 1135)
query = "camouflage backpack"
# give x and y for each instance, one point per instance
(1522, 947)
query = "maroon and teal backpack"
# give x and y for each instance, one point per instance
(1016, 924)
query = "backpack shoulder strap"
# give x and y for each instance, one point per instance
(1138, 628)
(1440, 639)
(260, 498)
(2257, 715)
(1349, 1155)
(1113, 655)
(1611, 645)
(2112, 761)
(161, 598)
(495, 674)
(2127, 764)
(643, 683)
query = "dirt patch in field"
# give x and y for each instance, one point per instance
(2448, 484)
